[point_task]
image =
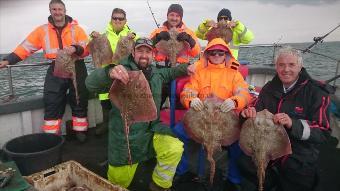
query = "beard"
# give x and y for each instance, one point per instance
(146, 69)
(143, 63)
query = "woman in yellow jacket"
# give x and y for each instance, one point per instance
(217, 77)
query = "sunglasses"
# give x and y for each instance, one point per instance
(144, 41)
(118, 18)
(223, 18)
(218, 53)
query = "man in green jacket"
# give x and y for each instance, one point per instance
(115, 29)
(241, 34)
(147, 139)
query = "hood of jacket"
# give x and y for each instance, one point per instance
(219, 41)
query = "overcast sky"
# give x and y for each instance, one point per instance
(270, 20)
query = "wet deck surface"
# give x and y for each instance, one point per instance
(93, 153)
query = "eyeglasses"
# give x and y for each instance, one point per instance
(223, 18)
(118, 18)
(144, 41)
(216, 53)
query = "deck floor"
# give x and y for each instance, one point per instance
(93, 154)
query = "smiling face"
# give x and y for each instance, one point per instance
(288, 68)
(216, 56)
(174, 19)
(143, 56)
(118, 21)
(58, 12)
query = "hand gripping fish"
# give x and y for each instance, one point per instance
(135, 102)
(172, 48)
(221, 31)
(264, 140)
(212, 128)
(100, 50)
(65, 68)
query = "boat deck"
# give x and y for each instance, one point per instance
(93, 153)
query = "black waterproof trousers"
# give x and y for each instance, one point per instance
(290, 175)
(59, 91)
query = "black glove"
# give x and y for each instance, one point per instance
(164, 35)
(183, 36)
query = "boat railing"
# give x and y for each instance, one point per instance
(11, 93)
(10, 77)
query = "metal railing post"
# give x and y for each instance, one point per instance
(274, 50)
(10, 80)
(336, 71)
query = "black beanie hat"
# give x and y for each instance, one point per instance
(177, 8)
(224, 13)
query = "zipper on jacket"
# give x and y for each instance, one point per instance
(60, 41)
(279, 105)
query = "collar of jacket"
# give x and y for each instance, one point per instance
(68, 20)
(216, 66)
(109, 29)
(275, 85)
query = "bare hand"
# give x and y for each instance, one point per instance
(283, 119)
(70, 50)
(211, 23)
(191, 69)
(3, 63)
(94, 34)
(249, 112)
(231, 24)
(119, 73)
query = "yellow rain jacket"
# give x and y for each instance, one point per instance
(221, 80)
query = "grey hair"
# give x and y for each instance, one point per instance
(56, 2)
(118, 10)
(290, 51)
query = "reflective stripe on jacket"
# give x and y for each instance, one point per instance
(241, 35)
(185, 57)
(46, 37)
(219, 80)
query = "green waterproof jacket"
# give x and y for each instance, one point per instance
(141, 134)
(241, 35)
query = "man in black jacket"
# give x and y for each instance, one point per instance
(300, 104)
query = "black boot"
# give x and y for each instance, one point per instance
(81, 136)
(103, 127)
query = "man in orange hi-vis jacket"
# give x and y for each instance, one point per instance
(174, 20)
(61, 32)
